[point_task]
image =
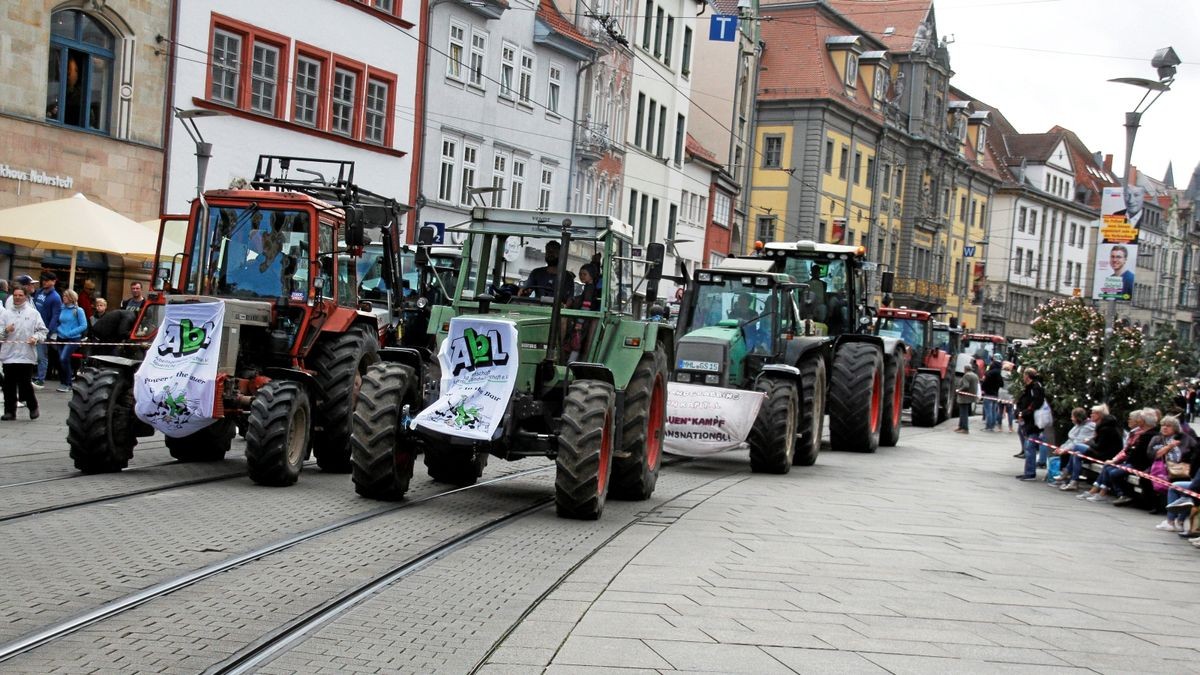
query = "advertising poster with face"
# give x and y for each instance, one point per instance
(1116, 252)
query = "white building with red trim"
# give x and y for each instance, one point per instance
(329, 79)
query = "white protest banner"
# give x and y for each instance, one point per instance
(706, 420)
(176, 386)
(479, 372)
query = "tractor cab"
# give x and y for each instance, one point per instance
(835, 279)
(913, 326)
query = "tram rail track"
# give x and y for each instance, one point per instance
(57, 630)
(78, 474)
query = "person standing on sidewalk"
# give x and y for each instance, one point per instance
(49, 305)
(968, 384)
(23, 329)
(993, 381)
(1031, 400)
(72, 324)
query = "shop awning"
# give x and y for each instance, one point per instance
(76, 224)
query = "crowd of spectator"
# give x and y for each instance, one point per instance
(33, 313)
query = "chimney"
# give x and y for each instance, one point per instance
(1108, 163)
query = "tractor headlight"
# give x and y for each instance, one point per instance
(712, 378)
(683, 377)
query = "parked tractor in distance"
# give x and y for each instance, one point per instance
(589, 379)
(741, 327)
(928, 374)
(979, 348)
(865, 381)
(295, 342)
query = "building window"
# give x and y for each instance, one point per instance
(384, 5)
(772, 152)
(1021, 219)
(667, 44)
(508, 66)
(871, 173)
(637, 125)
(264, 69)
(345, 83)
(633, 201)
(554, 88)
(765, 228)
(721, 207)
(525, 88)
(662, 130)
(981, 140)
(446, 176)
(499, 176)
(851, 69)
(307, 91)
(899, 189)
(829, 157)
(517, 192)
(858, 168)
(479, 41)
(881, 82)
(658, 31)
(844, 165)
(547, 187)
(376, 111)
(647, 24)
(226, 66)
(680, 132)
(454, 54)
(1033, 216)
(470, 164)
(685, 61)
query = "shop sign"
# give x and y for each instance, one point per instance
(36, 177)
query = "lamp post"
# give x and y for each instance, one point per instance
(203, 154)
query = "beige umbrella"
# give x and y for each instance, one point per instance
(75, 224)
(170, 245)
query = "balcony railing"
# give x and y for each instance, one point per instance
(594, 140)
(921, 289)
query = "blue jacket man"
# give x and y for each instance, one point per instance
(49, 304)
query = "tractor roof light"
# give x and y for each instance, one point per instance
(759, 245)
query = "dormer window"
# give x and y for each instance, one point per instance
(846, 50)
(981, 142)
(876, 64)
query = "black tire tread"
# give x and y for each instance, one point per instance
(335, 362)
(850, 391)
(586, 408)
(926, 400)
(773, 436)
(893, 379)
(100, 421)
(632, 478)
(267, 433)
(377, 473)
(206, 445)
(812, 412)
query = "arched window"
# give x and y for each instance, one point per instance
(80, 73)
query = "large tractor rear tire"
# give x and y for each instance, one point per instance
(946, 407)
(100, 421)
(338, 365)
(635, 467)
(856, 397)
(926, 400)
(585, 450)
(773, 436)
(893, 399)
(812, 411)
(206, 445)
(279, 434)
(383, 461)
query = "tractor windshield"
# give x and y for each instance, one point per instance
(255, 252)
(911, 331)
(525, 269)
(738, 301)
(982, 349)
(828, 285)
(372, 282)
(941, 339)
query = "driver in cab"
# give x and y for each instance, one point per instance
(542, 281)
(743, 312)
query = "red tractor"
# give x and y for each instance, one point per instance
(928, 370)
(296, 339)
(981, 347)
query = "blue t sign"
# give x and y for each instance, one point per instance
(722, 28)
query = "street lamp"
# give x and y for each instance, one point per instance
(203, 154)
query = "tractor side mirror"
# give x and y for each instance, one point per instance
(425, 239)
(887, 281)
(355, 235)
(161, 278)
(655, 254)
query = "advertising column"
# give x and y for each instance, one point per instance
(1116, 253)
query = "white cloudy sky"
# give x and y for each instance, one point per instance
(1047, 62)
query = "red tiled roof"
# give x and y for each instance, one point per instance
(695, 149)
(547, 12)
(876, 16)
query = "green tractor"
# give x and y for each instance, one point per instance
(742, 326)
(586, 379)
(865, 375)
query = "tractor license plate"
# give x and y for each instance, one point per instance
(707, 366)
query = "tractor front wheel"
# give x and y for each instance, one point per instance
(926, 400)
(383, 463)
(206, 445)
(338, 365)
(585, 450)
(893, 399)
(856, 397)
(945, 408)
(279, 433)
(100, 421)
(635, 468)
(773, 436)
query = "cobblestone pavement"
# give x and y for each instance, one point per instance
(925, 557)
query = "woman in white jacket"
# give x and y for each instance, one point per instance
(22, 328)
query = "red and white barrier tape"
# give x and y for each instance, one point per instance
(981, 397)
(1126, 469)
(143, 345)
